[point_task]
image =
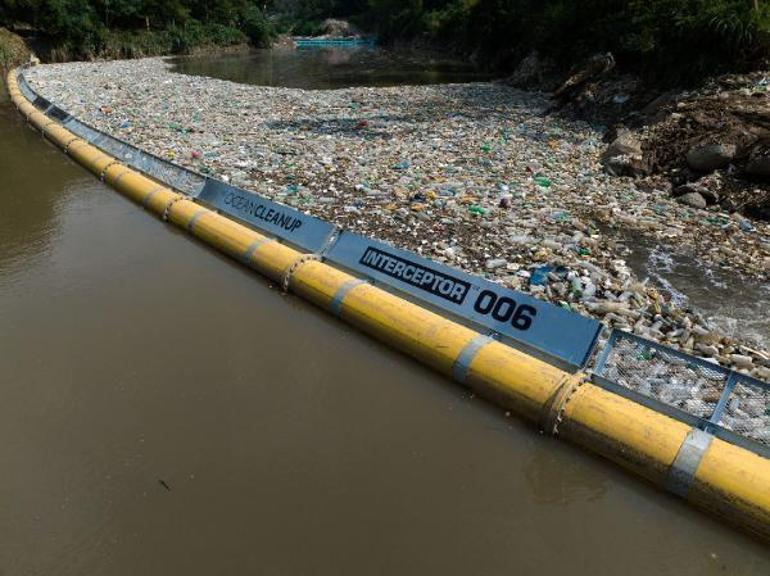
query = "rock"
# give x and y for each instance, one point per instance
(596, 66)
(759, 164)
(623, 157)
(534, 71)
(333, 28)
(710, 157)
(693, 199)
(625, 143)
(706, 192)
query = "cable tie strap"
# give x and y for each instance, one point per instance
(554, 414)
(293, 268)
(167, 209)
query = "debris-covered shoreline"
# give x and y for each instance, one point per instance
(474, 175)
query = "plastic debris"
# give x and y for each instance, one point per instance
(539, 276)
(542, 181)
(394, 164)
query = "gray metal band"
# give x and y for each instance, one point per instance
(107, 167)
(126, 171)
(194, 219)
(69, 143)
(687, 460)
(146, 201)
(167, 209)
(463, 363)
(330, 241)
(336, 305)
(120, 177)
(248, 254)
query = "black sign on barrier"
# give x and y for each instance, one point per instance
(57, 114)
(41, 103)
(302, 230)
(539, 325)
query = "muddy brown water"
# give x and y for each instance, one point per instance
(165, 411)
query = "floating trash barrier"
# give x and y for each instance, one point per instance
(728, 404)
(333, 42)
(691, 389)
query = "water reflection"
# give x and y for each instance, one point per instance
(34, 182)
(552, 480)
(324, 68)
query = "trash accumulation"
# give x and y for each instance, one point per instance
(473, 175)
(713, 143)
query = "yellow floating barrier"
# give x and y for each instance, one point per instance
(724, 479)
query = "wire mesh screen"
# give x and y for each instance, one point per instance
(747, 411)
(83, 130)
(179, 178)
(666, 376)
(41, 103)
(120, 150)
(163, 171)
(718, 398)
(57, 114)
(175, 176)
(166, 172)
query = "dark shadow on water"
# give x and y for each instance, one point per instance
(325, 68)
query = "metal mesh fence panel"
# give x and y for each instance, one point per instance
(687, 384)
(747, 411)
(729, 404)
(179, 178)
(83, 130)
(121, 151)
(175, 176)
(161, 170)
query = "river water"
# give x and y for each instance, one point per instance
(163, 410)
(325, 68)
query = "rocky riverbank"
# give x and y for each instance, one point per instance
(474, 175)
(13, 50)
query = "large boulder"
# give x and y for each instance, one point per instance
(693, 199)
(624, 157)
(708, 187)
(534, 71)
(710, 157)
(708, 194)
(758, 164)
(587, 71)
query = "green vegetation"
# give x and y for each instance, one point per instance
(666, 39)
(662, 39)
(129, 28)
(13, 51)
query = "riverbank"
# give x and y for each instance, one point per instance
(470, 174)
(13, 51)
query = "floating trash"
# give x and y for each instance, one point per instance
(469, 174)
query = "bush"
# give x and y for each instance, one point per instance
(13, 50)
(256, 27)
